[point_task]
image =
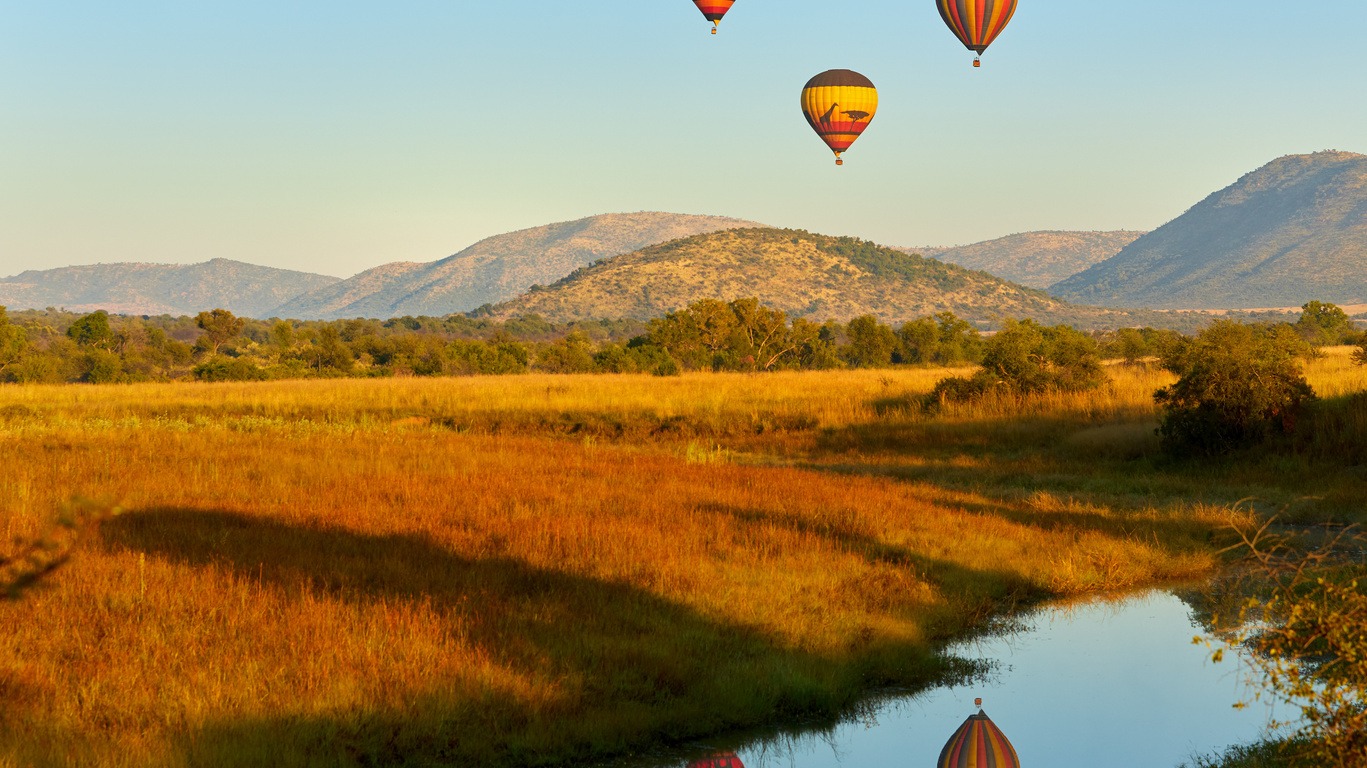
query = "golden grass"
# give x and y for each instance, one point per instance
(536, 569)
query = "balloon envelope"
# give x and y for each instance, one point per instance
(713, 10)
(976, 22)
(839, 104)
(978, 743)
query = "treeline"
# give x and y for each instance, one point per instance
(52, 346)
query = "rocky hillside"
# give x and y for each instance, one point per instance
(813, 276)
(1289, 232)
(497, 268)
(156, 289)
(1035, 259)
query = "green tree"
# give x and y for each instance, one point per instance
(572, 354)
(871, 344)
(761, 334)
(1322, 324)
(13, 342)
(944, 339)
(220, 326)
(92, 330)
(1237, 385)
(282, 338)
(329, 353)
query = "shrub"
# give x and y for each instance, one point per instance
(1304, 623)
(1238, 385)
(228, 369)
(1027, 357)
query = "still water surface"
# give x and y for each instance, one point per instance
(1111, 684)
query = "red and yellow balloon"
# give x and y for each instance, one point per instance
(839, 104)
(976, 22)
(713, 10)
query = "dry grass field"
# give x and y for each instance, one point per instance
(534, 570)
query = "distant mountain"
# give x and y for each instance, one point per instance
(156, 289)
(1035, 259)
(497, 268)
(1289, 232)
(812, 276)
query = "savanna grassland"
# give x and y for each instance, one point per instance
(538, 569)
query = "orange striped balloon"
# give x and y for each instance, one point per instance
(839, 105)
(976, 22)
(713, 10)
(978, 743)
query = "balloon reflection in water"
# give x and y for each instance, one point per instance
(978, 743)
(719, 760)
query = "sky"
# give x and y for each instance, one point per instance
(335, 136)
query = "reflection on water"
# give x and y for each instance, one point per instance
(1115, 684)
(978, 743)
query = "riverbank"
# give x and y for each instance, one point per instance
(542, 569)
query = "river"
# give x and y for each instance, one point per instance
(1110, 683)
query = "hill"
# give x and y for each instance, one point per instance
(806, 275)
(1289, 232)
(156, 289)
(496, 268)
(1035, 259)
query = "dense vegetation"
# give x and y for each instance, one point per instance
(743, 335)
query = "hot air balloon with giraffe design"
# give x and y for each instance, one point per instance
(976, 22)
(978, 743)
(719, 760)
(839, 104)
(713, 10)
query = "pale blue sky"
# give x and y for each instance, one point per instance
(333, 137)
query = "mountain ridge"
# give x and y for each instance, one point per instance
(144, 288)
(1035, 259)
(1291, 231)
(813, 276)
(498, 268)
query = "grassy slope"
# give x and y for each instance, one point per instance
(341, 572)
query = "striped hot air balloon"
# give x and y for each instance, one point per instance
(721, 760)
(714, 10)
(978, 743)
(839, 105)
(976, 22)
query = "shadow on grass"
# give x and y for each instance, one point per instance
(641, 670)
(987, 591)
(1116, 466)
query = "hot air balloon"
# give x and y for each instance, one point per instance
(978, 744)
(720, 760)
(714, 10)
(839, 105)
(976, 22)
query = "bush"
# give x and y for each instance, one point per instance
(1027, 357)
(228, 369)
(1238, 385)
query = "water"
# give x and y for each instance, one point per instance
(1113, 684)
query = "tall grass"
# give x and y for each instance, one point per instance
(533, 570)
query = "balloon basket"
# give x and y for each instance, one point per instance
(977, 63)
(838, 161)
(714, 30)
